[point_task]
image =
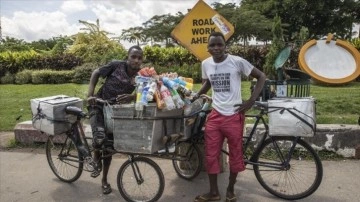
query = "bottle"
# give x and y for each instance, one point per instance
(177, 99)
(184, 91)
(138, 104)
(169, 83)
(145, 91)
(159, 101)
(142, 79)
(166, 96)
(189, 81)
(151, 92)
(180, 81)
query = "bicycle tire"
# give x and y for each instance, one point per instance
(151, 185)
(64, 159)
(189, 168)
(299, 179)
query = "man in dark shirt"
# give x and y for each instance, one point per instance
(119, 84)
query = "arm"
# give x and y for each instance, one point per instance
(205, 87)
(93, 81)
(260, 76)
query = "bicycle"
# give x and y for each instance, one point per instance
(285, 166)
(66, 160)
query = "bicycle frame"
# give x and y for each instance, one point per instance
(259, 119)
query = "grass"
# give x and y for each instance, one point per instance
(335, 105)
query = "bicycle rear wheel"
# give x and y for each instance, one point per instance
(140, 179)
(295, 180)
(64, 159)
(188, 160)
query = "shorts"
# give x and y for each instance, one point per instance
(217, 128)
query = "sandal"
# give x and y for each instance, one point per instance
(207, 197)
(106, 189)
(233, 199)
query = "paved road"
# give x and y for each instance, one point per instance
(26, 177)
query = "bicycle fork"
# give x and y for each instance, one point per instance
(136, 170)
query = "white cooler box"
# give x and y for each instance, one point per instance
(285, 122)
(48, 113)
(143, 135)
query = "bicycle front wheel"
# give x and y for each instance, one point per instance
(63, 159)
(140, 179)
(188, 160)
(296, 179)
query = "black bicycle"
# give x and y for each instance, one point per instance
(138, 179)
(285, 166)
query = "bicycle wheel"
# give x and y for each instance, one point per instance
(64, 160)
(140, 180)
(188, 160)
(294, 180)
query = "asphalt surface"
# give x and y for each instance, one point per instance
(26, 176)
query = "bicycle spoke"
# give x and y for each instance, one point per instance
(298, 177)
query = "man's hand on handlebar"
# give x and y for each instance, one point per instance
(245, 106)
(125, 98)
(91, 100)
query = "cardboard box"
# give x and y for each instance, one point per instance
(143, 133)
(49, 116)
(283, 122)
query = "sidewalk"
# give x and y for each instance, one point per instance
(26, 177)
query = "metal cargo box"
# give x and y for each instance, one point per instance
(48, 113)
(293, 117)
(143, 134)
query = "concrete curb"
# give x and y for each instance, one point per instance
(342, 139)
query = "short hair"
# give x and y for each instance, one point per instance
(217, 34)
(134, 47)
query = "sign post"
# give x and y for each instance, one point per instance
(193, 31)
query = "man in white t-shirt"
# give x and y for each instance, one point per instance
(222, 72)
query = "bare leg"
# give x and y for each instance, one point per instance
(230, 189)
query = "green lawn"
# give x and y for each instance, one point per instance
(335, 105)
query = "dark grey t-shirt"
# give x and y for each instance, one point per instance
(117, 81)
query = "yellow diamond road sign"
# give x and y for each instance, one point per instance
(193, 31)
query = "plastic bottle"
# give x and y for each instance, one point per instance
(170, 83)
(166, 96)
(145, 91)
(180, 81)
(138, 105)
(190, 81)
(159, 101)
(142, 79)
(151, 92)
(184, 91)
(177, 99)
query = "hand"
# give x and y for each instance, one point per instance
(91, 100)
(125, 98)
(245, 106)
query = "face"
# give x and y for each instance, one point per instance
(216, 47)
(135, 59)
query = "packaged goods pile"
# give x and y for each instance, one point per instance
(168, 90)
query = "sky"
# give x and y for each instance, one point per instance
(32, 20)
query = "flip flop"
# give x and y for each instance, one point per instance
(106, 189)
(205, 197)
(233, 199)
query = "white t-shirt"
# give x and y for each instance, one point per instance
(225, 79)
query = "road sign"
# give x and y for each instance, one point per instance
(193, 31)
